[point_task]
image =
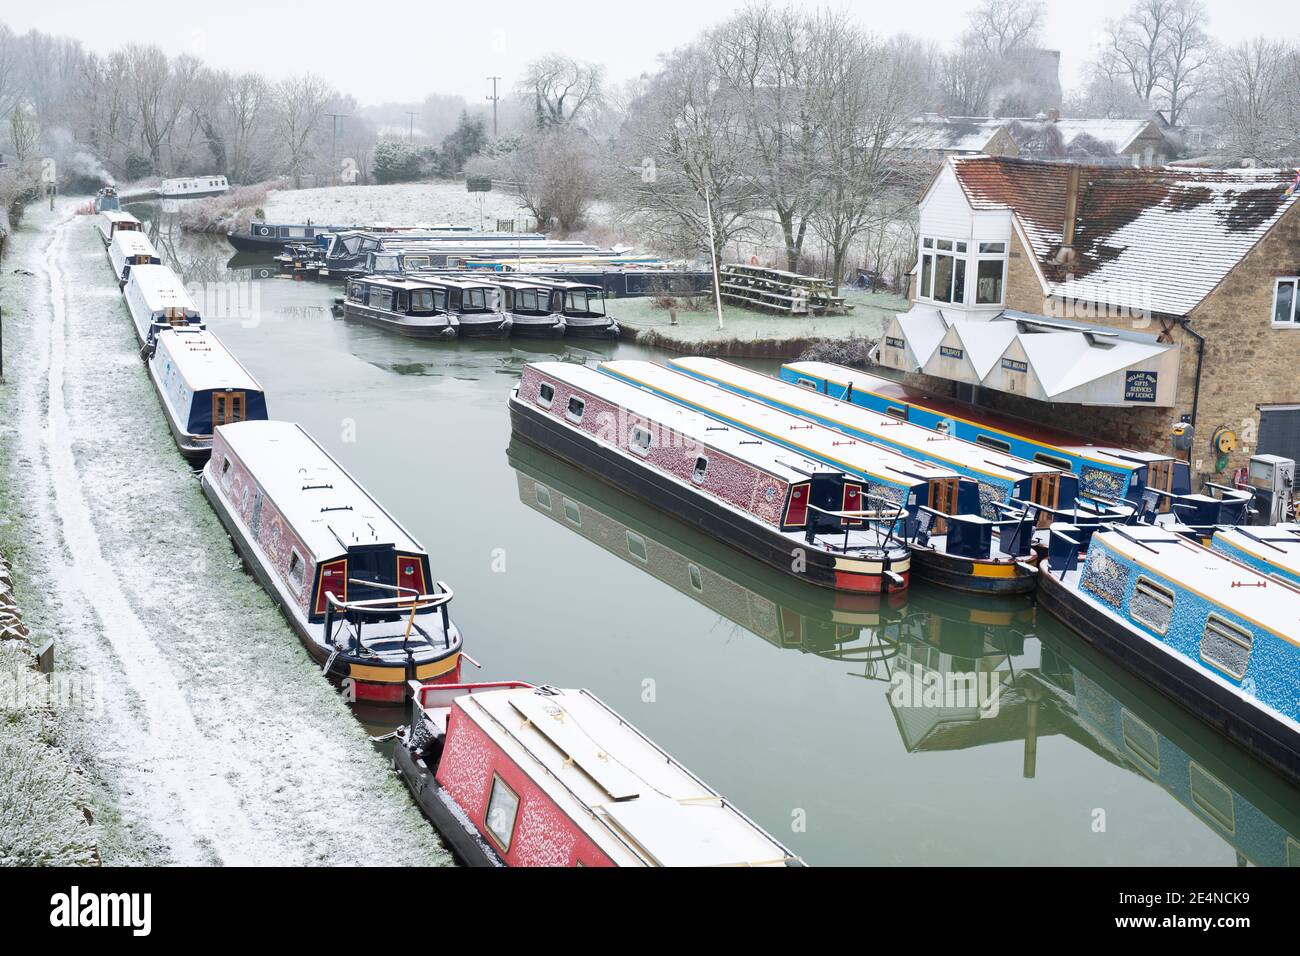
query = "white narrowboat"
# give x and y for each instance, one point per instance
(131, 249)
(355, 585)
(157, 299)
(112, 221)
(1210, 632)
(517, 775)
(202, 386)
(193, 187)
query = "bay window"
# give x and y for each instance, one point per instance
(945, 263)
(1286, 302)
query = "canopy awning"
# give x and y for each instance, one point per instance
(1050, 360)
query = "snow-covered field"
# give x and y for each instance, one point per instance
(401, 204)
(215, 739)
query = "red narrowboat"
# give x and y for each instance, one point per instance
(517, 775)
(355, 585)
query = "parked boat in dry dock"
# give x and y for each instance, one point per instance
(355, 585)
(1220, 638)
(953, 544)
(517, 775)
(795, 514)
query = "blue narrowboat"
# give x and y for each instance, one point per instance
(157, 299)
(1218, 637)
(953, 544)
(1002, 478)
(130, 249)
(1104, 471)
(201, 386)
(1273, 550)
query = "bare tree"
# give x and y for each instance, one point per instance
(1001, 27)
(1161, 47)
(243, 111)
(561, 88)
(1251, 82)
(554, 174)
(10, 67)
(299, 103)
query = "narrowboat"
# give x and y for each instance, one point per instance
(368, 252)
(192, 187)
(953, 544)
(1103, 471)
(791, 513)
(427, 307)
(353, 583)
(583, 307)
(1273, 550)
(115, 220)
(202, 386)
(531, 307)
(1213, 634)
(131, 249)
(157, 298)
(516, 775)
(1002, 478)
(106, 198)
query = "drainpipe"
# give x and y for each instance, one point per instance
(1196, 389)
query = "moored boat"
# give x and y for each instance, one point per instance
(517, 775)
(1104, 471)
(1270, 549)
(427, 306)
(531, 308)
(792, 513)
(106, 198)
(192, 187)
(202, 386)
(157, 299)
(114, 220)
(354, 584)
(953, 544)
(1218, 637)
(129, 249)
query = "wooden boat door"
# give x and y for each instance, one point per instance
(943, 498)
(1160, 475)
(1045, 490)
(227, 407)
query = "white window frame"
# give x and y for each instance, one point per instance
(298, 562)
(570, 414)
(1294, 283)
(542, 400)
(636, 447)
(502, 845)
(979, 257)
(931, 246)
(698, 474)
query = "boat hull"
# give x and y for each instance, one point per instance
(464, 842)
(371, 317)
(592, 329)
(536, 327)
(1269, 740)
(768, 545)
(370, 682)
(973, 577)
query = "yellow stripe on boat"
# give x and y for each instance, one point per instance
(982, 570)
(396, 674)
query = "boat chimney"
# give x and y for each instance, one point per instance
(1065, 254)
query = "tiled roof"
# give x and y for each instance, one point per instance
(959, 134)
(1157, 239)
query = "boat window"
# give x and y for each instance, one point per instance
(808, 384)
(545, 395)
(502, 808)
(893, 411)
(990, 442)
(401, 301)
(636, 546)
(417, 262)
(475, 300)
(1152, 604)
(701, 467)
(576, 407)
(426, 300)
(1226, 646)
(697, 578)
(1052, 461)
(641, 440)
(225, 473)
(572, 511)
(543, 495)
(297, 569)
(381, 298)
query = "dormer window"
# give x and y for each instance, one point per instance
(945, 264)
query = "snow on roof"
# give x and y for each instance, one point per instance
(1153, 238)
(961, 134)
(924, 328)
(203, 361)
(1271, 604)
(161, 288)
(984, 342)
(1277, 546)
(133, 243)
(925, 441)
(325, 505)
(1118, 134)
(1067, 360)
(632, 798)
(822, 443)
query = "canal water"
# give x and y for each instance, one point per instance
(939, 729)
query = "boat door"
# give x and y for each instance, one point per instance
(227, 407)
(943, 498)
(1160, 475)
(1045, 490)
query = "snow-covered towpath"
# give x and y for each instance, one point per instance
(215, 734)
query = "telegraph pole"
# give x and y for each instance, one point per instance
(410, 133)
(334, 139)
(494, 99)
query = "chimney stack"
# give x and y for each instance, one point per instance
(1053, 114)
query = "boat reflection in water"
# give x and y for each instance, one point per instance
(957, 673)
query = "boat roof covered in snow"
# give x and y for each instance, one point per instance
(924, 441)
(160, 289)
(1275, 547)
(628, 795)
(515, 280)
(769, 456)
(1046, 435)
(325, 505)
(133, 243)
(818, 441)
(203, 362)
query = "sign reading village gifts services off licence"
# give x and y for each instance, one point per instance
(1140, 386)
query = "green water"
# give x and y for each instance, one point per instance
(788, 699)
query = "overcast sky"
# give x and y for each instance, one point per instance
(381, 52)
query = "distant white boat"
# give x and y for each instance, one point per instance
(193, 187)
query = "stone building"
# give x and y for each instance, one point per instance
(1113, 302)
